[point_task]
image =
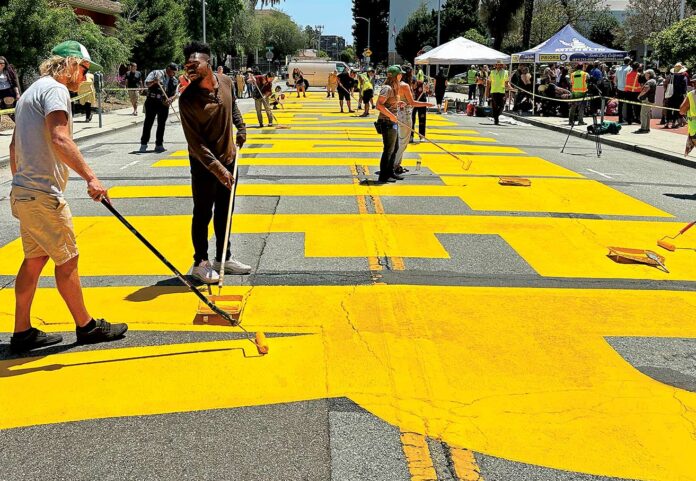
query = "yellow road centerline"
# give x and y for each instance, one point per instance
(465, 466)
(420, 464)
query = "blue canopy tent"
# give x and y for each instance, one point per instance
(567, 45)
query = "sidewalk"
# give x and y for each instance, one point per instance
(112, 121)
(666, 144)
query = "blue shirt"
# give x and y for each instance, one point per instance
(621, 73)
(596, 73)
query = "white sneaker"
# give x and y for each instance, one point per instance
(233, 266)
(205, 273)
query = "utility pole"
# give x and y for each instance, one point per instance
(438, 22)
(319, 29)
(203, 6)
(682, 9)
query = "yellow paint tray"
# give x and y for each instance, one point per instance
(232, 304)
(626, 255)
(515, 181)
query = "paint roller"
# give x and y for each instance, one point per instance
(670, 246)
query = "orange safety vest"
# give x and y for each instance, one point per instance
(632, 84)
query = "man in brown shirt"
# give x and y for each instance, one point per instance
(208, 109)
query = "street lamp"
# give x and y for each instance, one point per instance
(369, 21)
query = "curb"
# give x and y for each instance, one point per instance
(5, 160)
(659, 154)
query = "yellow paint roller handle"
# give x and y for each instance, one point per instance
(687, 227)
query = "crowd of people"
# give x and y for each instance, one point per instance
(627, 90)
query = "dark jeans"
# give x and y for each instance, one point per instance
(154, 108)
(208, 192)
(498, 100)
(389, 139)
(422, 115)
(632, 112)
(472, 92)
(674, 102)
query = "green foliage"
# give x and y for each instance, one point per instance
(498, 15)
(246, 36)
(164, 33)
(458, 17)
(220, 16)
(31, 28)
(107, 51)
(322, 54)
(348, 55)
(645, 17)
(606, 30)
(378, 13)
(419, 31)
(311, 37)
(476, 36)
(676, 42)
(280, 32)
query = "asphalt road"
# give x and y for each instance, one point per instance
(445, 327)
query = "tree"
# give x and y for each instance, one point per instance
(263, 3)
(378, 13)
(457, 17)
(31, 28)
(606, 30)
(348, 55)
(312, 36)
(645, 17)
(419, 31)
(497, 15)
(280, 32)
(246, 36)
(220, 16)
(527, 23)
(676, 42)
(590, 17)
(476, 36)
(164, 33)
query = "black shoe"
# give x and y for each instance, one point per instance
(397, 177)
(400, 170)
(102, 332)
(32, 339)
(384, 181)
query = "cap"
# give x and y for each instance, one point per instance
(173, 66)
(71, 48)
(394, 70)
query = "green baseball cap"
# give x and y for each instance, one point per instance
(395, 70)
(71, 48)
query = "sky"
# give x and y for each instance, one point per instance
(335, 15)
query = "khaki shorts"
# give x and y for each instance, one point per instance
(45, 224)
(133, 95)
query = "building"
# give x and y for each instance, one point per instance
(103, 12)
(332, 45)
(399, 11)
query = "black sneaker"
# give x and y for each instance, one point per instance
(397, 177)
(102, 332)
(33, 340)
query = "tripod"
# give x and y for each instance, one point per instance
(595, 126)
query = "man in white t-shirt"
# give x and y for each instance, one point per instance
(41, 152)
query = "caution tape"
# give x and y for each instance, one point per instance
(72, 100)
(583, 99)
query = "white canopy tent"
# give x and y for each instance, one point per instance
(461, 51)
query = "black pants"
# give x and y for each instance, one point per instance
(631, 114)
(154, 108)
(389, 139)
(674, 102)
(208, 193)
(472, 92)
(498, 100)
(422, 115)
